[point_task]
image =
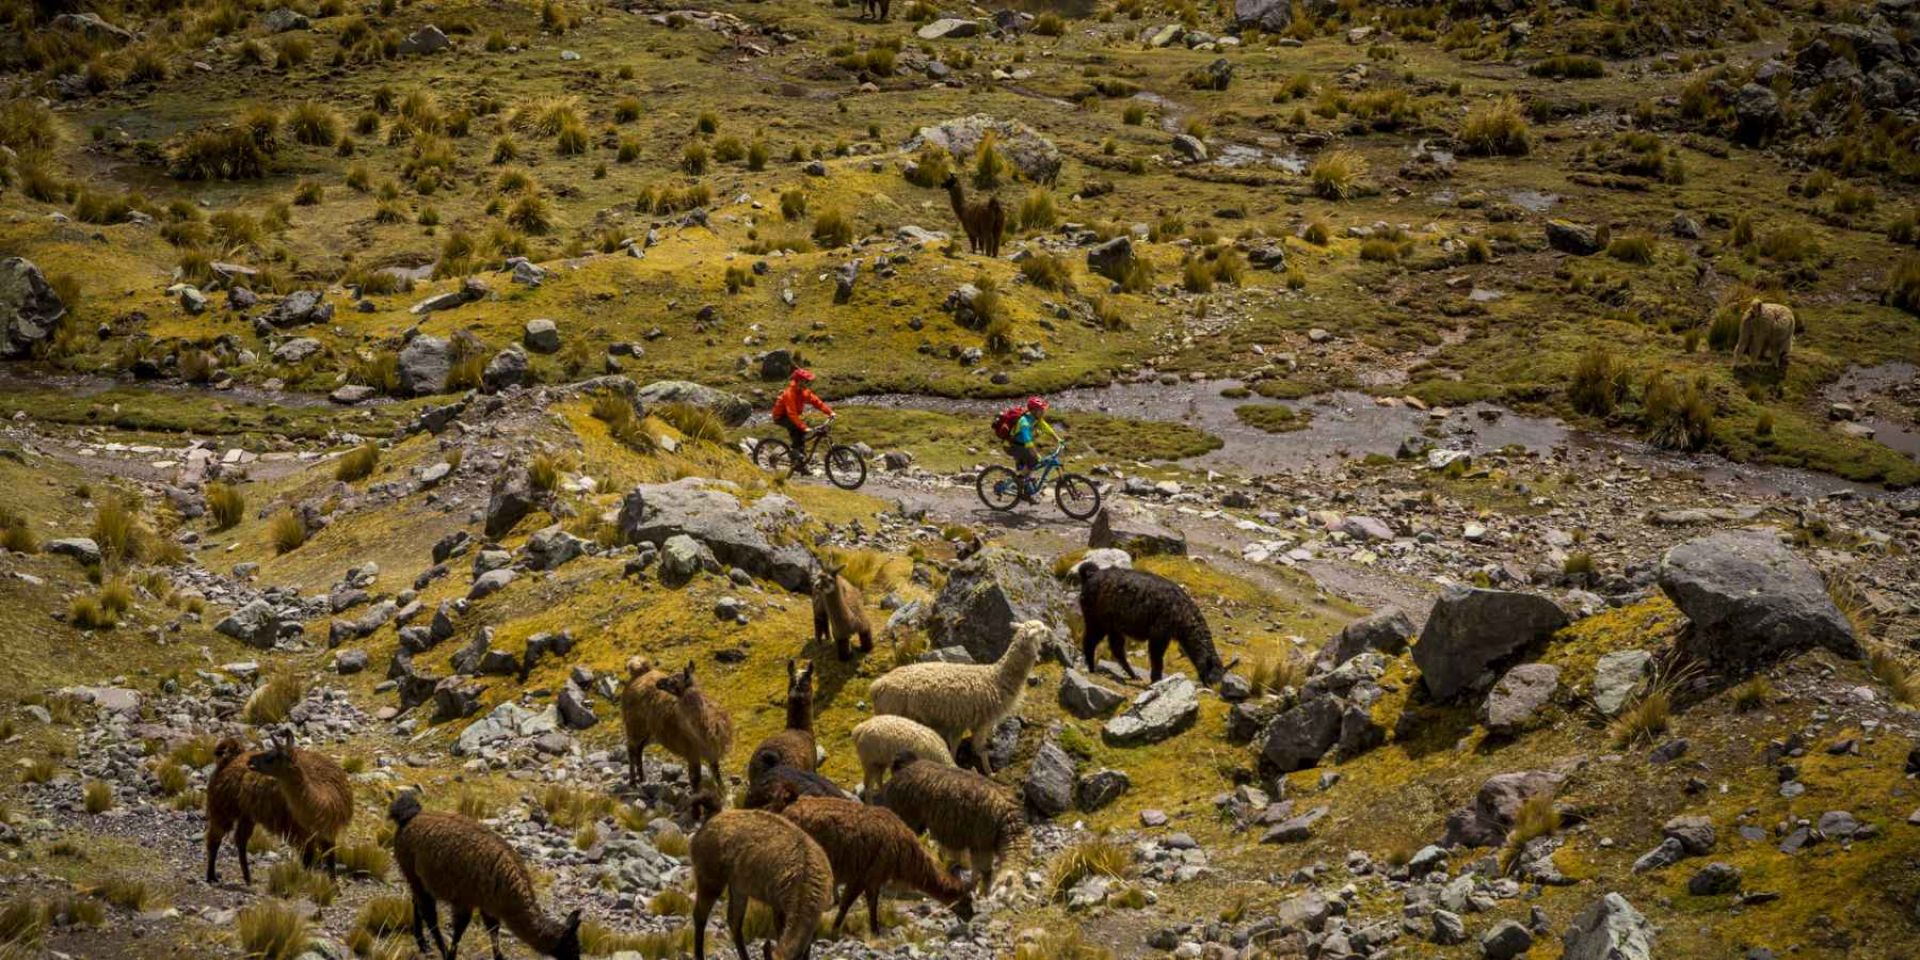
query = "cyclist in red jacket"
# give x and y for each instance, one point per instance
(789, 411)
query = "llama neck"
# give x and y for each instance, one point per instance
(799, 715)
(534, 928)
(1015, 664)
(922, 874)
(958, 199)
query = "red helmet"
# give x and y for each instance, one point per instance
(802, 375)
(1036, 403)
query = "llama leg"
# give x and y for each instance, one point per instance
(779, 933)
(1090, 642)
(216, 832)
(866, 640)
(693, 771)
(820, 632)
(333, 860)
(841, 648)
(1157, 657)
(847, 898)
(737, 921)
(422, 909)
(637, 763)
(702, 911)
(493, 934)
(873, 910)
(426, 911)
(982, 861)
(461, 917)
(719, 784)
(243, 838)
(1117, 646)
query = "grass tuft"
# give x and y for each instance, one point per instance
(1337, 174)
(358, 463)
(1088, 858)
(274, 930)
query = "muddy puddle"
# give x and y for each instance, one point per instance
(1873, 391)
(1347, 425)
(26, 378)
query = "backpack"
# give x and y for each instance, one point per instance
(1004, 423)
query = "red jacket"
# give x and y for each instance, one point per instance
(794, 401)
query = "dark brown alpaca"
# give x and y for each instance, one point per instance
(983, 221)
(875, 9)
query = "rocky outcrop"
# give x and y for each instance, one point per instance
(1471, 629)
(1111, 259)
(1516, 701)
(732, 408)
(1271, 16)
(425, 363)
(1165, 710)
(1750, 600)
(1486, 822)
(1385, 630)
(756, 538)
(1050, 780)
(1037, 159)
(1126, 525)
(1609, 929)
(512, 499)
(30, 310)
(300, 308)
(986, 594)
(508, 368)
(1579, 239)
(1298, 738)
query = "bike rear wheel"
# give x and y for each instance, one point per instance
(773, 456)
(998, 487)
(1076, 496)
(846, 468)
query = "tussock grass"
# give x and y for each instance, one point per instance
(1088, 858)
(276, 697)
(385, 916)
(543, 471)
(1037, 211)
(1903, 285)
(1537, 817)
(1337, 174)
(1272, 674)
(97, 797)
(570, 808)
(1598, 384)
(1569, 67)
(365, 860)
(599, 940)
(129, 893)
(1046, 271)
(1644, 719)
(291, 880)
(694, 421)
(671, 902)
(673, 843)
(832, 228)
(1633, 248)
(358, 463)
(22, 923)
(1497, 128)
(273, 930)
(1061, 942)
(86, 613)
(1678, 417)
(286, 531)
(1272, 417)
(1752, 694)
(16, 535)
(170, 777)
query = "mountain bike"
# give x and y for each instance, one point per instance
(1075, 495)
(846, 468)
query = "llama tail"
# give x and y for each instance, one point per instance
(637, 666)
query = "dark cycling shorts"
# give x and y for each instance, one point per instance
(796, 433)
(1024, 456)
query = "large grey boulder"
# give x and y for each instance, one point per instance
(1037, 159)
(732, 408)
(83, 549)
(1486, 822)
(1050, 780)
(758, 538)
(92, 27)
(1471, 629)
(541, 336)
(1579, 239)
(424, 364)
(1750, 600)
(256, 624)
(1083, 698)
(1164, 710)
(682, 557)
(508, 368)
(949, 28)
(1756, 113)
(512, 499)
(1298, 738)
(1272, 16)
(986, 595)
(427, 39)
(1520, 696)
(1609, 929)
(1111, 259)
(283, 19)
(1385, 630)
(1124, 524)
(300, 308)
(30, 310)
(552, 547)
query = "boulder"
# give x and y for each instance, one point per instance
(82, 549)
(1050, 780)
(1385, 630)
(512, 499)
(424, 364)
(1101, 788)
(300, 308)
(1714, 879)
(1750, 601)
(1295, 829)
(729, 407)
(1507, 940)
(575, 712)
(1608, 929)
(427, 39)
(989, 592)
(490, 583)
(1083, 698)
(1486, 822)
(758, 538)
(681, 557)
(949, 28)
(1190, 148)
(1111, 259)
(256, 624)
(1756, 113)
(778, 364)
(1471, 629)
(541, 336)
(1162, 711)
(297, 350)
(551, 547)
(1579, 239)
(1298, 738)
(350, 661)
(30, 310)
(1271, 16)
(1617, 678)
(92, 27)
(1695, 834)
(1520, 696)
(508, 368)
(1124, 524)
(1037, 159)
(282, 19)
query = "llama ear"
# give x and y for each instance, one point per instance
(793, 673)
(573, 920)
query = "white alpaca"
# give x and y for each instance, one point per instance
(955, 698)
(880, 740)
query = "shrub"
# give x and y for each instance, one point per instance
(571, 141)
(286, 531)
(1633, 248)
(693, 158)
(1379, 249)
(1598, 383)
(358, 463)
(1678, 417)
(531, 214)
(97, 797)
(1049, 24)
(706, 123)
(1037, 211)
(990, 168)
(728, 150)
(1337, 174)
(117, 529)
(1498, 128)
(1752, 694)
(757, 156)
(1903, 285)
(793, 204)
(273, 930)
(626, 110)
(365, 860)
(1644, 719)
(1271, 675)
(930, 167)
(1568, 67)
(85, 612)
(1196, 276)
(1046, 271)
(543, 472)
(277, 695)
(15, 534)
(314, 124)
(832, 228)
(1089, 858)
(228, 153)
(1134, 115)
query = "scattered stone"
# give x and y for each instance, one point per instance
(1609, 929)
(1520, 696)
(1083, 698)
(1164, 710)
(1714, 879)
(1617, 679)
(30, 310)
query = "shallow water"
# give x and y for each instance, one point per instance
(1861, 382)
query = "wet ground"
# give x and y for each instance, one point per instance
(1878, 390)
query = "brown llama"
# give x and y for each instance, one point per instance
(239, 800)
(795, 745)
(756, 855)
(448, 858)
(984, 221)
(875, 9)
(317, 791)
(704, 725)
(839, 612)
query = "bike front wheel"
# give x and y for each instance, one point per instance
(998, 487)
(846, 468)
(773, 456)
(1076, 496)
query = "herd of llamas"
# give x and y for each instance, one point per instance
(797, 842)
